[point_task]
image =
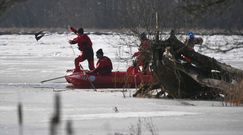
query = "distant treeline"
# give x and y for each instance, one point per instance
(110, 14)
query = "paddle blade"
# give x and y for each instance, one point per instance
(39, 35)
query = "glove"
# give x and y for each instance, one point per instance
(73, 30)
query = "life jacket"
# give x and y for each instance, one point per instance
(133, 70)
(144, 53)
(82, 39)
(83, 42)
(103, 66)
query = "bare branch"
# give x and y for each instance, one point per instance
(235, 46)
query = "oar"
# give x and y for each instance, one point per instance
(52, 79)
(39, 35)
(73, 50)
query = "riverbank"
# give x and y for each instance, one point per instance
(16, 30)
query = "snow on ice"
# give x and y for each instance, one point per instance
(24, 62)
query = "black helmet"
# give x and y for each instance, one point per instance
(81, 31)
(143, 35)
(100, 51)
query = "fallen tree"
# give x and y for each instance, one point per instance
(202, 78)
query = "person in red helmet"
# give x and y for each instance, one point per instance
(103, 65)
(85, 47)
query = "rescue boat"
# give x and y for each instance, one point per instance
(113, 80)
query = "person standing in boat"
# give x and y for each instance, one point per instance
(85, 47)
(144, 55)
(103, 65)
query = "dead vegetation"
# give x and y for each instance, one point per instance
(233, 95)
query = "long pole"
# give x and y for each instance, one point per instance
(71, 45)
(73, 50)
(52, 79)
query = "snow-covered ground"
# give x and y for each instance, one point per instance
(25, 62)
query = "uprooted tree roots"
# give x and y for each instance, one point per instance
(202, 78)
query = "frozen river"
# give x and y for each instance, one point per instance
(24, 63)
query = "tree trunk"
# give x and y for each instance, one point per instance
(203, 77)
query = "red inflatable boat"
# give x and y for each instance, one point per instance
(113, 80)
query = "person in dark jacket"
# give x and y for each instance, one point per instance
(85, 47)
(103, 65)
